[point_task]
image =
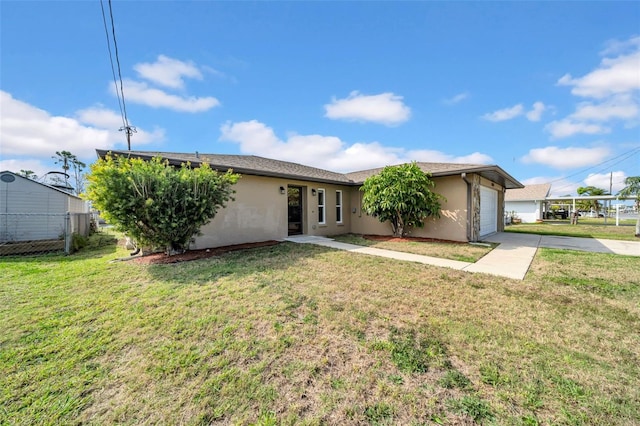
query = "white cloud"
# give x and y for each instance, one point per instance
(28, 130)
(504, 114)
(615, 75)
(329, 152)
(567, 127)
(536, 112)
(15, 165)
(515, 111)
(603, 180)
(617, 107)
(616, 47)
(614, 84)
(168, 72)
(385, 108)
(140, 92)
(430, 156)
(457, 98)
(559, 185)
(536, 180)
(109, 119)
(566, 158)
(31, 134)
(563, 187)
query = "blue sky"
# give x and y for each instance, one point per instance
(549, 91)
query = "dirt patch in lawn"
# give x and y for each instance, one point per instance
(162, 258)
(408, 239)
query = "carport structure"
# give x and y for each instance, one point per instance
(571, 201)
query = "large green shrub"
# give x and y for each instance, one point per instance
(401, 195)
(155, 203)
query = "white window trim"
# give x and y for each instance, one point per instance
(339, 216)
(324, 206)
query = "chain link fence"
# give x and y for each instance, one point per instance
(31, 233)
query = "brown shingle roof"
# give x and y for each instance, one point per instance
(245, 164)
(530, 192)
(493, 172)
(261, 166)
(436, 169)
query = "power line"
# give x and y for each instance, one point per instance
(607, 165)
(113, 71)
(630, 154)
(129, 130)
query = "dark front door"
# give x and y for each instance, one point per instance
(294, 194)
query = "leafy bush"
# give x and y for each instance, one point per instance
(155, 203)
(78, 242)
(401, 195)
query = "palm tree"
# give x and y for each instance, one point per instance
(70, 161)
(633, 188)
(592, 191)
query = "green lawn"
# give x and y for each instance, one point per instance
(586, 227)
(455, 251)
(300, 334)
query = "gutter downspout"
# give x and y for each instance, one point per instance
(469, 205)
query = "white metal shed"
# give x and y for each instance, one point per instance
(32, 211)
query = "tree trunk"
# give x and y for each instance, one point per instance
(638, 225)
(399, 228)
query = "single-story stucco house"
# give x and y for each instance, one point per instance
(528, 203)
(275, 199)
(33, 211)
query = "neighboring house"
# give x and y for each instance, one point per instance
(528, 203)
(275, 199)
(32, 211)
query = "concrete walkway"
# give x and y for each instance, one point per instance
(510, 259)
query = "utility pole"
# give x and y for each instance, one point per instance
(129, 130)
(610, 182)
(606, 212)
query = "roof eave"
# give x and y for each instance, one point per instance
(493, 172)
(505, 179)
(240, 170)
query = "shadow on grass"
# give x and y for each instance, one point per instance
(240, 264)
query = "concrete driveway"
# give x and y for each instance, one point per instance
(597, 245)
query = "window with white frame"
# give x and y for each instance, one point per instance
(322, 217)
(338, 206)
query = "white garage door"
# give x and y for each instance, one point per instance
(488, 211)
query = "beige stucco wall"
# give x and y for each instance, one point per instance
(452, 225)
(259, 213)
(331, 226)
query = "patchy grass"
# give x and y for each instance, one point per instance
(455, 251)
(301, 334)
(591, 273)
(586, 227)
